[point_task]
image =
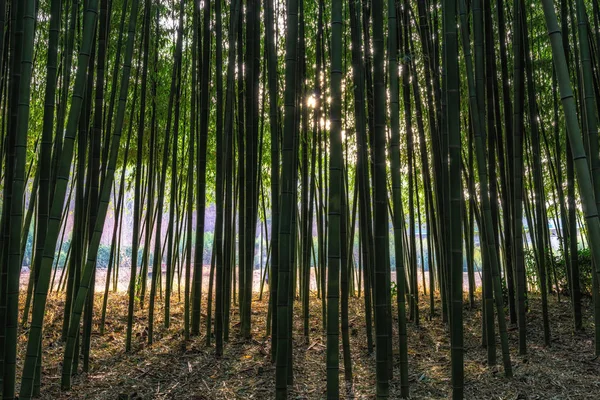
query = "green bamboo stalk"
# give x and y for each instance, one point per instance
(287, 202)
(380, 199)
(274, 130)
(538, 183)
(454, 143)
(158, 252)
(89, 269)
(586, 188)
(489, 337)
(335, 205)
(26, 11)
(591, 125)
(518, 174)
(138, 177)
(485, 221)
(396, 191)
(362, 168)
(62, 174)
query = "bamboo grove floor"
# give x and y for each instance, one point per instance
(173, 369)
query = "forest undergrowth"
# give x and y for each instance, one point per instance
(174, 369)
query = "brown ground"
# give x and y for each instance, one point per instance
(173, 369)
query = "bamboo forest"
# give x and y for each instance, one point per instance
(303, 199)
